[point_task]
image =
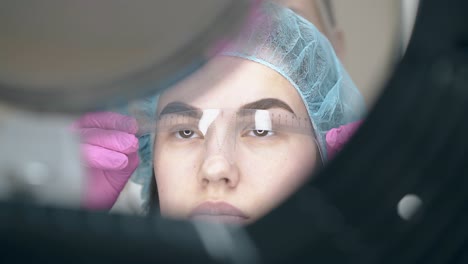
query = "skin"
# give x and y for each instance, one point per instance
(254, 184)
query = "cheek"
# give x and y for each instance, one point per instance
(284, 176)
(175, 179)
(300, 165)
(290, 164)
(280, 176)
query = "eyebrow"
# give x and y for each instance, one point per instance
(268, 103)
(181, 108)
(262, 104)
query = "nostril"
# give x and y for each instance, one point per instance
(205, 181)
(216, 169)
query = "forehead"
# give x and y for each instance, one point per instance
(230, 82)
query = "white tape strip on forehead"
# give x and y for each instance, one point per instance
(207, 119)
(263, 120)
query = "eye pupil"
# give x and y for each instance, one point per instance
(260, 133)
(186, 133)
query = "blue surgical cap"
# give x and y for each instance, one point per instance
(292, 46)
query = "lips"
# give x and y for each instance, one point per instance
(218, 212)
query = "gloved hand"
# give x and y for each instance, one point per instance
(110, 152)
(336, 138)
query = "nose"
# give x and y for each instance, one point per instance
(216, 170)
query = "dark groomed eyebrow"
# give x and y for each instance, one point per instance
(268, 103)
(262, 104)
(181, 108)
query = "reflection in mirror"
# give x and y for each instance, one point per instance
(233, 140)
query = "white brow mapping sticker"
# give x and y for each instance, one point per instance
(262, 120)
(207, 119)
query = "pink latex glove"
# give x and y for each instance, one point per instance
(336, 138)
(110, 152)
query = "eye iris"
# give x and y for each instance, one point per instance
(186, 133)
(260, 133)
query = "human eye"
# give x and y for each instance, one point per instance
(180, 127)
(186, 134)
(261, 133)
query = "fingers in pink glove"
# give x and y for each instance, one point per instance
(110, 139)
(102, 158)
(110, 151)
(104, 186)
(336, 138)
(109, 121)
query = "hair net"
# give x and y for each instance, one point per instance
(292, 46)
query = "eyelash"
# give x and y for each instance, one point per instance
(185, 134)
(178, 135)
(253, 133)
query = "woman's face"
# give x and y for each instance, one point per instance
(213, 176)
